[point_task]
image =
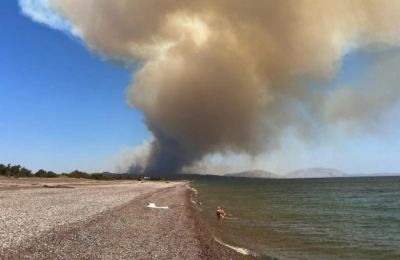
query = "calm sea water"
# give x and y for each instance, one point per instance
(340, 218)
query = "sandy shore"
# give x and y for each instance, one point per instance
(103, 220)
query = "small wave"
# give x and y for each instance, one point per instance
(193, 189)
(240, 250)
(231, 218)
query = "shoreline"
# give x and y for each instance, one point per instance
(211, 247)
(130, 231)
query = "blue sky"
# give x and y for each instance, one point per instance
(63, 108)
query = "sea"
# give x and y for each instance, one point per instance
(331, 218)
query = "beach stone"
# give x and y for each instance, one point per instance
(124, 229)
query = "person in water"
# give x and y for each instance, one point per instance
(220, 213)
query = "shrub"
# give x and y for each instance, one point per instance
(45, 174)
(79, 174)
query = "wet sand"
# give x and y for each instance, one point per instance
(104, 220)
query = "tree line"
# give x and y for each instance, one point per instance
(18, 171)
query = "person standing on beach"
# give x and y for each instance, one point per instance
(220, 213)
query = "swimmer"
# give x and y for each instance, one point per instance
(220, 213)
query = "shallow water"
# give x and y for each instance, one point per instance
(345, 218)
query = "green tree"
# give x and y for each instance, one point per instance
(40, 173)
(14, 170)
(79, 174)
(51, 174)
(3, 169)
(24, 172)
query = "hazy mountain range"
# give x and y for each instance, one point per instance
(254, 174)
(316, 173)
(305, 173)
(298, 174)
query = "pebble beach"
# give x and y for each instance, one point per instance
(103, 220)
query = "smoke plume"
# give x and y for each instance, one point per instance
(229, 75)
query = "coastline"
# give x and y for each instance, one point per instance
(211, 248)
(131, 231)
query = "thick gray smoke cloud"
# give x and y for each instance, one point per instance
(223, 75)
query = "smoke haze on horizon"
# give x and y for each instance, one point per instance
(222, 76)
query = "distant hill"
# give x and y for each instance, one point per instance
(315, 173)
(303, 173)
(254, 174)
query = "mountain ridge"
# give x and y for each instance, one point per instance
(254, 174)
(315, 172)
